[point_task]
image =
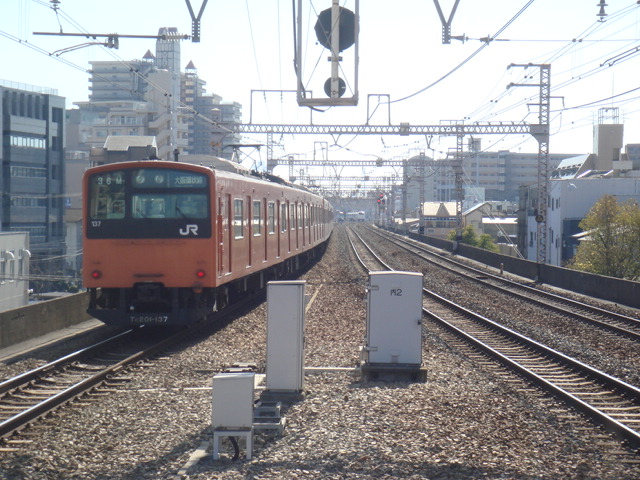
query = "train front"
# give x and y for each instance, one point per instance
(148, 251)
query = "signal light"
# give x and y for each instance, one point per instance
(96, 274)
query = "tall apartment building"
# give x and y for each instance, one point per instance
(152, 97)
(131, 98)
(32, 174)
(497, 176)
(209, 115)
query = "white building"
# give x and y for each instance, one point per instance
(14, 270)
(569, 202)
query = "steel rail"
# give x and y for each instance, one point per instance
(31, 375)
(368, 248)
(507, 286)
(625, 391)
(27, 416)
(604, 380)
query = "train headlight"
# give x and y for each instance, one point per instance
(96, 274)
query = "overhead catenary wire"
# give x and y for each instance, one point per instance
(468, 59)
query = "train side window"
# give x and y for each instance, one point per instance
(292, 216)
(271, 218)
(300, 216)
(257, 218)
(238, 215)
(283, 217)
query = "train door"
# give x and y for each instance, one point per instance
(300, 225)
(314, 236)
(292, 222)
(220, 237)
(312, 229)
(230, 229)
(294, 226)
(305, 224)
(250, 232)
(266, 228)
(278, 228)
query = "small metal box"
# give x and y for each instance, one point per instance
(232, 400)
(394, 318)
(285, 335)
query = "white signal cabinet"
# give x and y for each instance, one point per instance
(394, 318)
(232, 400)
(285, 336)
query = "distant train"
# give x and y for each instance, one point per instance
(354, 216)
(166, 243)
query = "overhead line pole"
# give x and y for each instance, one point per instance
(541, 133)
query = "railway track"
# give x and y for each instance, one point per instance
(608, 321)
(97, 369)
(364, 254)
(604, 399)
(31, 395)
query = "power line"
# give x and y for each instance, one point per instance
(468, 59)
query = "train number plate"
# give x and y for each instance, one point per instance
(148, 318)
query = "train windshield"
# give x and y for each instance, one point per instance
(148, 203)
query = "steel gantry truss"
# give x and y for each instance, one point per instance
(539, 131)
(463, 129)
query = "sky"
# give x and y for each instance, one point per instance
(405, 72)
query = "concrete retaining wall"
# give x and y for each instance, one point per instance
(24, 323)
(624, 292)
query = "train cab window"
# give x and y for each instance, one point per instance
(107, 195)
(238, 215)
(171, 205)
(271, 218)
(257, 218)
(149, 206)
(148, 203)
(191, 206)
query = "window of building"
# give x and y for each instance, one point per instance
(57, 115)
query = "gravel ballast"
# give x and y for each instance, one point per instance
(468, 420)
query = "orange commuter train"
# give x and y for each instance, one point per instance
(166, 243)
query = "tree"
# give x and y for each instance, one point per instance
(485, 241)
(613, 245)
(470, 237)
